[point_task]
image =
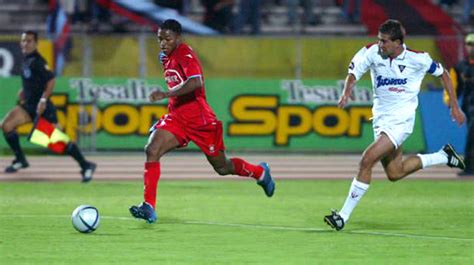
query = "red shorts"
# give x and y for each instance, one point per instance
(208, 137)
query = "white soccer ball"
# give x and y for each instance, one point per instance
(85, 218)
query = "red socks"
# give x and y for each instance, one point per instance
(244, 169)
(150, 181)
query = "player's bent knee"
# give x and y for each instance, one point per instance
(153, 151)
(394, 176)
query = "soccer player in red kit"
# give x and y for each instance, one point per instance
(190, 118)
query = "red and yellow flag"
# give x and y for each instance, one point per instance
(45, 134)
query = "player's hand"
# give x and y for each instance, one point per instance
(41, 107)
(342, 101)
(457, 115)
(157, 95)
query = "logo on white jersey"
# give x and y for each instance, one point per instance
(401, 67)
(351, 66)
(384, 81)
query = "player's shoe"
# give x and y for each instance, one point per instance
(267, 182)
(454, 160)
(144, 211)
(87, 171)
(334, 220)
(15, 165)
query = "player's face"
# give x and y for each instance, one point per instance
(387, 47)
(168, 40)
(28, 43)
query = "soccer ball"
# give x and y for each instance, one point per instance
(85, 218)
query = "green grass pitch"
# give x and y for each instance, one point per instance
(232, 222)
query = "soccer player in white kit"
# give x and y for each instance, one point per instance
(396, 73)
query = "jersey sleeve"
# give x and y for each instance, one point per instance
(360, 63)
(41, 68)
(190, 65)
(431, 66)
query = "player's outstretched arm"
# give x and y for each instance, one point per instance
(349, 84)
(456, 112)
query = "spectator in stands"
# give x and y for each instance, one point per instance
(76, 10)
(178, 5)
(249, 12)
(463, 76)
(218, 14)
(351, 10)
(99, 14)
(309, 18)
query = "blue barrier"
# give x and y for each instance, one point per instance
(438, 127)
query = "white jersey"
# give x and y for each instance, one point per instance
(396, 82)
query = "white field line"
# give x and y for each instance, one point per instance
(266, 227)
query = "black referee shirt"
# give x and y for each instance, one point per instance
(35, 76)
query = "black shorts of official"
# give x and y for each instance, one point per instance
(49, 113)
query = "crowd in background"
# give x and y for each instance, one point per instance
(225, 16)
(240, 16)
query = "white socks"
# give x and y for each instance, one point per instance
(358, 188)
(356, 192)
(437, 158)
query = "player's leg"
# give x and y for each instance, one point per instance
(87, 167)
(16, 117)
(374, 153)
(160, 142)
(445, 156)
(210, 141)
(237, 166)
(397, 168)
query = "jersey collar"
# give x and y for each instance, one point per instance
(401, 56)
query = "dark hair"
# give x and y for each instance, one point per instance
(394, 29)
(172, 25)
(32, 32)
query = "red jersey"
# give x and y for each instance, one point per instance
(192, 108)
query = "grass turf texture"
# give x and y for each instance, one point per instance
(232, 222)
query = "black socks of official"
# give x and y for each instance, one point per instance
(73, 150)
(14, 142)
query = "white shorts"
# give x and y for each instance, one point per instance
(396, 128)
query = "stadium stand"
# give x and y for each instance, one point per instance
(19, 15)
(31, 14)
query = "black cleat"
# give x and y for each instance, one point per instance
(144, 211)
(87, 171)
(454, 160)
(334, 220)
(15, 165)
